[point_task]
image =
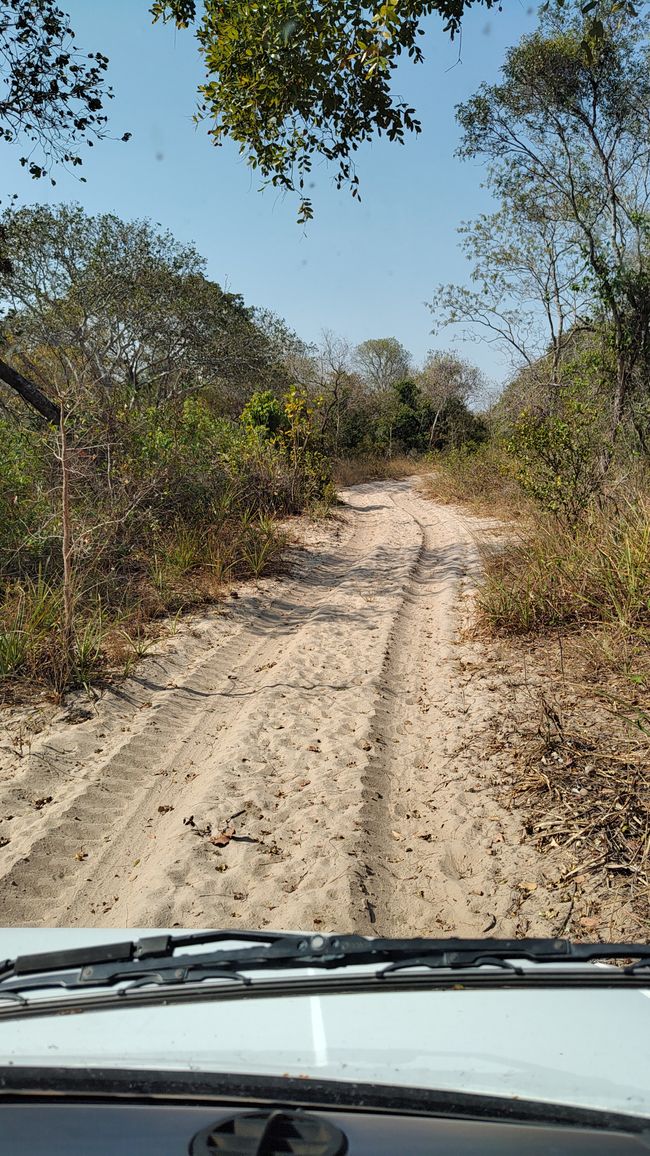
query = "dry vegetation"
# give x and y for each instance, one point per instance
(167, 535)
(572, 606)
(371, 468)
(482, 480)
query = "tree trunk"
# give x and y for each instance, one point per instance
(29, 393)
(433, 427)
(67, 549)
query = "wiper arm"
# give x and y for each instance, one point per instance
(132, 951)
(160, 959)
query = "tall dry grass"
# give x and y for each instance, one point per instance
(590, 578)
(115, 613)
(597, 572)
(374, 467)
(482, 479)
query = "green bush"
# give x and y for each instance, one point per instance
(167, 503)
(280, 436)
(559, 456)
(28, 525)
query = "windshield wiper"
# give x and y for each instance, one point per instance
(165, 960)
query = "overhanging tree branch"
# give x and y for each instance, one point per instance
(30, 393)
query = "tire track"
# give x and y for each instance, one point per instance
(440, 853)
(123, 806)
(404, 850)
(326, 718)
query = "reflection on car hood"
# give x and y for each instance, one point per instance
(583, 1047)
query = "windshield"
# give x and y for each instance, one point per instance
(324, 521)
(499, 1038)
(474, 1042)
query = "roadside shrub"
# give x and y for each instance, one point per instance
(30, 636)
(167, 503)
(559, 456)
(265, 412)
(482, 477)
(280, 436)
(593, 574)
(27, 531)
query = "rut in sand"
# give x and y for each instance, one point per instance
(323, 722)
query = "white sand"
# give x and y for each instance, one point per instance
(330, 715)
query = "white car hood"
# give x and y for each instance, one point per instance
(588, 1047)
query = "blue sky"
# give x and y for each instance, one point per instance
(361, 270)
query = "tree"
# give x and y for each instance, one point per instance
(530, 294)
(382, 361)
(30, 393)
(290, 80)
(53, 96)
(331, 379)
(411, 416)
(566, 138)
(285, 349)
(52, 102)
(125, 315)
(347, 410)
(445, 379)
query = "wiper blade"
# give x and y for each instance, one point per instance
(163, 960)
(433, 961)
(152, 946)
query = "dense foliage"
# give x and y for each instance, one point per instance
(163, 429)
(126, 312)
(53, 95)
(146, 491)
(290, 81)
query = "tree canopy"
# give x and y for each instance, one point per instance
(292, 80)
(565, 137)
(381, 361)
(52, 95)
(126, 314)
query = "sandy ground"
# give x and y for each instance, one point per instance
(315, 754)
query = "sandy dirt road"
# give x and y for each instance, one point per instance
(331, 721)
